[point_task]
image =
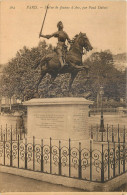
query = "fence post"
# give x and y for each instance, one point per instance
(6, 132)
(90, 160)
(1, 134)
(124, 157)
(91, 132)
(69, 157)
(11, 149)
(108, 161)
(80, 168)
(114, 160)
(59, 157)
(4, 149)
(50, 155)
(42, 166)
(124, 135)
(24, 133)
(97, 133)
(102, 136)
(119, 158)
(16, 131)
(25, 153)
(20, 134)
(112, 134)
(107, 132)
(18, 151)
(102, 165)
(118, 134)
(33, 153)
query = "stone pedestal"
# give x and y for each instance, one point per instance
(58, 118)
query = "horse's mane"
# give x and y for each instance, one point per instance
(74, 38)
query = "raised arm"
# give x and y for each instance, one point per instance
(49, 36)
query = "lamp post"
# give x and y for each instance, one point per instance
(102, 118)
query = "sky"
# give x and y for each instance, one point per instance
(102, 21)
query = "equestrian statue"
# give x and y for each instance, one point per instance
(62, 60)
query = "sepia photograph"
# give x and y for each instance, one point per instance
(63, 97)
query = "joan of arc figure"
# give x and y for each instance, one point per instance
(61, 48)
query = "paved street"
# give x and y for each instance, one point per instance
(13, 183)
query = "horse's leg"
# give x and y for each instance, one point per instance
(52, 79)
(43, 73)
(73, 75)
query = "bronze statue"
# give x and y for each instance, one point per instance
(61, 48)
(50, 63)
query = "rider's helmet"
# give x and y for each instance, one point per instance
(59, 24)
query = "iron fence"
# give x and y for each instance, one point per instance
(14, 132)
(95, 161)
(111, 133)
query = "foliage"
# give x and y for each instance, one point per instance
(20, 76)
(103, 73)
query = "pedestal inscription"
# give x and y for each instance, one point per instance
(59, 118)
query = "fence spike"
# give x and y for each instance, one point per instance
(90, 160)
(102, 165)
(80, 169)
(59, 157)
(42, 165)
(69, 157)
(50, 155)
(33, 153)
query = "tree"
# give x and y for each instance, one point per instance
(19, 76)
(103, 72)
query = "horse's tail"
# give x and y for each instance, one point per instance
(43, 60)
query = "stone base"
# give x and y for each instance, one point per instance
(69, 182)
(58, 118)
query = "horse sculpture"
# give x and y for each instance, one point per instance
(50, 64)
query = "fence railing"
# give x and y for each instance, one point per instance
(93, 162)
(111, 133)
(98, 110)
(14, 132)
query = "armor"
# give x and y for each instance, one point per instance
(61, 48)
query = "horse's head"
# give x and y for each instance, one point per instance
(84, 41)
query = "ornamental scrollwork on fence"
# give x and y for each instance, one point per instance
(105, 160)
(55, 155)
(29, 152)
(22, 151)
(121, 154)
(7, 149)
(114, 157)
(64, 156)
(126, 153)
(111, 157)
(96, 156)
(14, 150)
(85, 158)
(75, 157)
(46, 153)
(117, 156)
(38, 153)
